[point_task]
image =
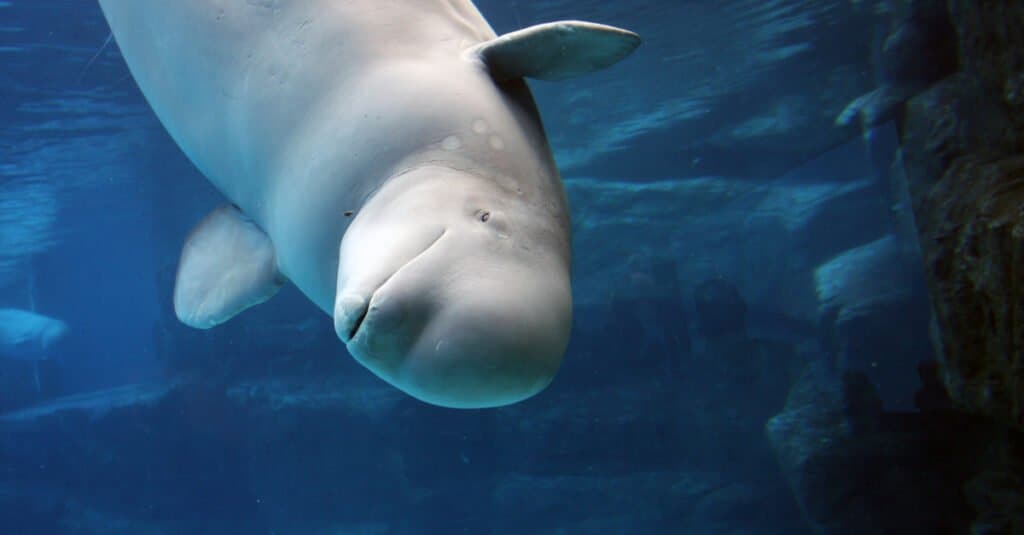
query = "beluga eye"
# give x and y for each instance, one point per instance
(483, 215)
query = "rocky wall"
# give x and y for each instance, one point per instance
(963, 151)
(962, 144)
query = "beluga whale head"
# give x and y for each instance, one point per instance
(454, 276)
(455, 292)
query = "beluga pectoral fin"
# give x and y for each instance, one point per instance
(228, 264)
(556, 50)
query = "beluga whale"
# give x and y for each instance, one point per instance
(386, 158)
(29, 336)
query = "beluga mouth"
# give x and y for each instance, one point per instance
(352, 308)
(359, 321)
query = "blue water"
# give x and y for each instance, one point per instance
(723, 226)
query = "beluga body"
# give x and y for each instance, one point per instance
(388, 159)
(27, 335)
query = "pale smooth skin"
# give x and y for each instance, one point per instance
(395, 178)
(25, 335)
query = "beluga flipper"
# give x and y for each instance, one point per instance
(227, 265)
(390, 161)
(556, 50)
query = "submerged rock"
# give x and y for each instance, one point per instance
(874, 315)
(962, 146)
(642, 502)
(856, 469)
(721, 309)
(860, 281)
(95, 404)
(976, 259)
(918, 51)
(323, 394)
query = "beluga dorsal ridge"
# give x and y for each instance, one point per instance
(386, 158)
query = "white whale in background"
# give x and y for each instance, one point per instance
(29, 336)
(388, 159)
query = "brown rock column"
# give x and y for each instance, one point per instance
(964, 157)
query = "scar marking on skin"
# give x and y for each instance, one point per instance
(451, 143)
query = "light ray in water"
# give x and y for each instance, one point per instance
(106, 43)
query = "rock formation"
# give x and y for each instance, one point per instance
(963, 158)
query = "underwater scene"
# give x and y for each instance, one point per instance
(512, 267)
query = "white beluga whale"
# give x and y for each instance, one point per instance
(28, 336)
(388, 159)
